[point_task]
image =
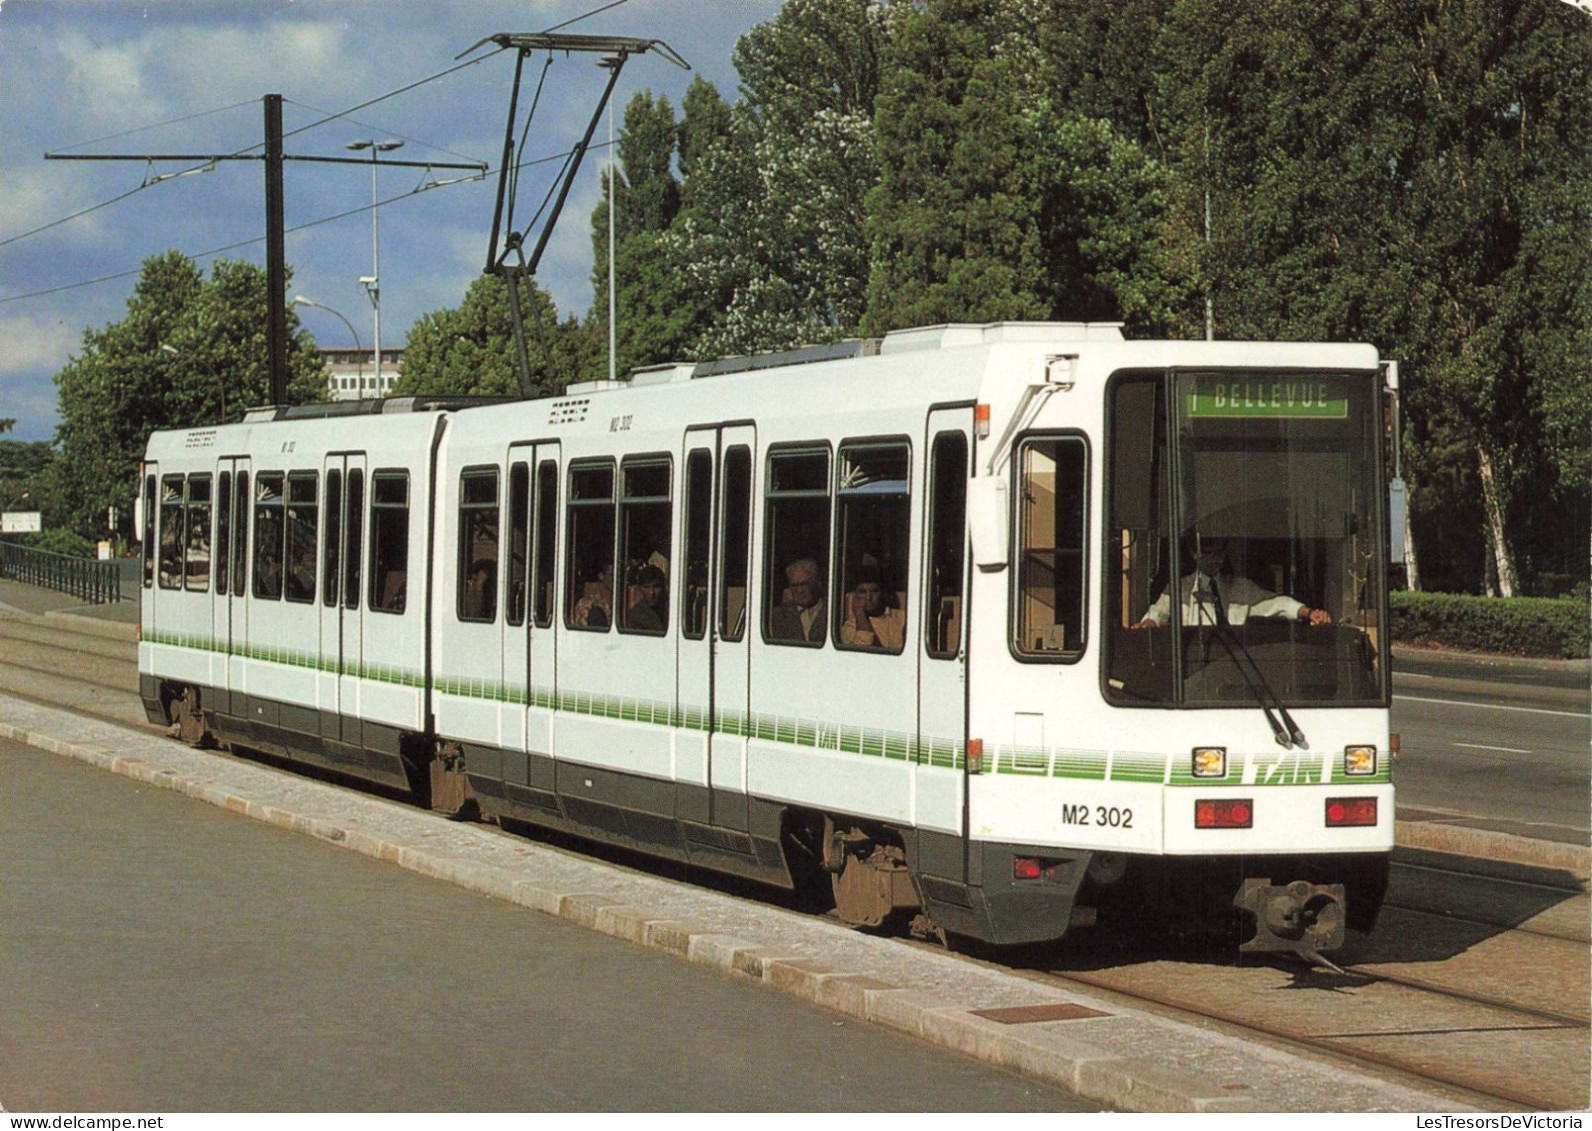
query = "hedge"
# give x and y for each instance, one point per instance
(1516, 626)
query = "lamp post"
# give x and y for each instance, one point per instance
(221, 382)
(611, 63)
(372, 281)
(300, 300)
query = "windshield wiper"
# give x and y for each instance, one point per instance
(1286, 732)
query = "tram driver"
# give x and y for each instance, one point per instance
(1213, 594)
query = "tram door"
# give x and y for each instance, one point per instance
(530, 606)
(341, 599)
(230, 570)
(713, 584)
(942, 687)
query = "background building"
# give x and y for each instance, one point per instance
(351, 373)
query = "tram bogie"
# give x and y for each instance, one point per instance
(986, 625)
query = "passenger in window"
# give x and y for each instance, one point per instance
(301, 578)
(870, 621)
(479, 590)
(268, 578)
(645, 613)
(801, 618)
(596, 608)
(1212, 594)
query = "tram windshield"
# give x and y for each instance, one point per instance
(1243, 560)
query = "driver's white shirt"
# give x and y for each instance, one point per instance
(1241, 598)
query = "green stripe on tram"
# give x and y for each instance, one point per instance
(1279, 769)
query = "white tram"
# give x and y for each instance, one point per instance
(896, 616)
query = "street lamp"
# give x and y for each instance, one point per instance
(221, 382)
(300, 300)
(372, 281)
(611, 63)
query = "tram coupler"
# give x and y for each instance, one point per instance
(1302, 917)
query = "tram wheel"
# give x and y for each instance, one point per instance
(188, 717)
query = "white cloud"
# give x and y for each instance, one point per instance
(29, 343)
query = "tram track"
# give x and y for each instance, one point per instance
(1466, 986)
(1519, 1084)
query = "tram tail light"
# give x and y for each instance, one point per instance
(1235, 813)
(1210, 762)
(975, 755)
(1044, 868)
(1350, 812)
(981, 420)
(1359, 761)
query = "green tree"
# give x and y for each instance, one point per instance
(654, 315)
(185, 343)
(770, 238)
(1411, 175)
(470, 349)
(1002, 194)
(1499, 212)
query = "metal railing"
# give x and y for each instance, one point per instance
(84, 578)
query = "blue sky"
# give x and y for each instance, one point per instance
(187, 76)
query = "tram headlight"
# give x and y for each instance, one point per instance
(1210, 762)
(1359, 761)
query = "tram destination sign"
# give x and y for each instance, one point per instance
(1222, 397)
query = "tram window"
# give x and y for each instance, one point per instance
(331, 581)
(546, 541)
(303, 518)
(698, 543)
(589, 531)
(645, 521)
(796, 545)
(737, 569)
(149, 531)
(478, 545)
(196, 520)
(519, 536)
(171, 532)
(1052, 548)
(223, 551)
(269, 531)
(389, 541)
(874, 503)
(240, 537)
(353, 556)
(942, 610)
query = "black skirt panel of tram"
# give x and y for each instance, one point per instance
(626, 811)
(290, 731)
(991, 904)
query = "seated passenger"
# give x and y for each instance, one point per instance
(648, 613)
(870, 623)
(596, 608)
(480, 591)
(1213, 594)
(802, 617)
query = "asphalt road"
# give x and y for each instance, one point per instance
(159, 954)
(1509, 745)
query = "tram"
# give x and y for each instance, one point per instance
(1007, 627)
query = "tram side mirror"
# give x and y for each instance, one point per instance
(1397, 500)
(988, 522)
